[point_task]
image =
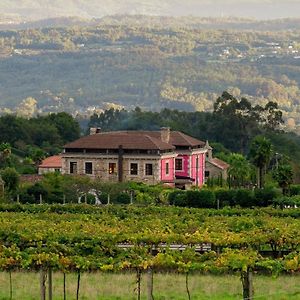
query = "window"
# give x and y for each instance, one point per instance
(133, 169)
(73, 167)
(88, 168)
(57, 170)
(149, 169)
(112, 168)
(206, 174)
(167, 168)
(178, 164)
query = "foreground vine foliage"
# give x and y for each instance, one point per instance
(146, 240)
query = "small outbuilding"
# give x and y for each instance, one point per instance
(50, 165)
(215, 167)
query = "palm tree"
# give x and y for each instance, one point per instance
(284, 176)
(260, 155)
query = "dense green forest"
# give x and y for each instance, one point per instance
(24, 143)
(119, 63)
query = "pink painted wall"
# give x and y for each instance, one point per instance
(171, 175)
(189, 168)
(185, 166)
(198, 173)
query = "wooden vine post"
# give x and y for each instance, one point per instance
(150, 284)
(65, 294)
(10, 286)
(43, 277)
(247, 282)
(78, 286)
(187, 285)
(138, 282)
(50, 285)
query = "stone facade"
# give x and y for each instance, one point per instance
(106, 167)
(213, 171)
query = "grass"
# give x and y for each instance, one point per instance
(166, 287)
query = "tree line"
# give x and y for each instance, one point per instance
(24, 142)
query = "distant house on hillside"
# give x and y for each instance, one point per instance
(164, 156)
(214, 167)
(50, 164)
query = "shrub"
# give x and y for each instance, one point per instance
(36, 190)
(178, 198)
(181, 200)
(265, 197)
(201, 199)
(25, 198)
(55, 197)
(164, 196)
(11, 178)
(91, 199)
(245, 198)
(144, 198)
(294, 189)
(103, 197)
(225, 197)
(285, 201)
(121, 198)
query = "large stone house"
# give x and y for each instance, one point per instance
(165, 156)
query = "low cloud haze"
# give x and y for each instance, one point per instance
(263, 9)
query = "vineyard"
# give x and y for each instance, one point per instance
(146, 240)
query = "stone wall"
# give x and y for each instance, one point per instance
(100, 168)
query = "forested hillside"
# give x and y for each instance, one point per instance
(135, 61)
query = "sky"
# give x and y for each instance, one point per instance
(258, 9)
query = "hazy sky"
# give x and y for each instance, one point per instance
(260, 9)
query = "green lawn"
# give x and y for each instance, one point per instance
(166, 286)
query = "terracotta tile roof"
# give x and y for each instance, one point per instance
(219, 163)
(51, 162)
(112, 140)
(177, 138)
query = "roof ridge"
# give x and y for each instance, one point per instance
(184, 136)
(215, 161)
(157, 141)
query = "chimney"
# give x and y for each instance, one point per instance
(209, 150)
(165, 134)
(95, 130)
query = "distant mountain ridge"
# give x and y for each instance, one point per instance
(232, 23)
(44, 9)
